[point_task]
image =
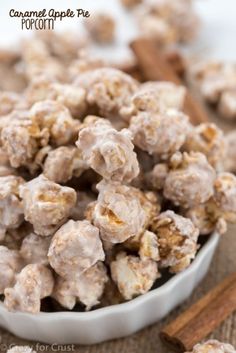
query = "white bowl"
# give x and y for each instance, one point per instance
(113, 321)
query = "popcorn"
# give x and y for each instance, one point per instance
(107, 151)
(75, 247)
(213, 346)
(87, 289)
(63, 163)
(160, 134)
(149, 247)
(11, 209)
(10, 264)
(33, 283)
(190, 180)
(101, 28)
(34, 249)
(10, 101)
(132, 275)
(177, 239)
(230, 158)
(46, 204)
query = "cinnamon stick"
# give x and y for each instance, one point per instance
(202, 317)
(155, 67)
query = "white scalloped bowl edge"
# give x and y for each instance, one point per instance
(113, 321)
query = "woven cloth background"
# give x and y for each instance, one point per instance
(147, 340)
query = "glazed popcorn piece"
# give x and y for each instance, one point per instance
(225, 196)
(213, 346)
(177, 239)
(87, 289)
(230, 158)
(11, 209)
(10, 264)
(155, 97)
(63, 163)
(107, 151)
(21, 349)
(132, 275)
(101, 28)
(190, 180)
(227, 104)
(149, 248)
(75, 247)
(34, 249)
(5, 167)
(22, 138)
(208, 139)
(108, 89)
(155, 179)
(160, 134)
(46, 204)
(10, 101)
(56, 119)
(33, 283)
(118, 212)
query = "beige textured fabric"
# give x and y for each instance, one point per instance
(147, 340)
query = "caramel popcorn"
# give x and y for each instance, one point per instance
(213, 346)
(160, 134)
(208, 139)
(149, 247)
(107, 89)
(10, 264)
(46, 204)
(5, 167)
(34, 249)
(87, 289)
(21, 349)
(101, 28)
(33, 283)
(107, 151)
(63, 163)
(11, 209)
(75, 247)
(10, 101)
(190, 179)
(133, 275)
(177, 240)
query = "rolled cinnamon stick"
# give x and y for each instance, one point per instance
(155, 67)
(202, 317)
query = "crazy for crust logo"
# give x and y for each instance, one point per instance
(45, 19)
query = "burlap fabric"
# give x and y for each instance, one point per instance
(147, 341)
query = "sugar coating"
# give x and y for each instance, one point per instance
(10, 264)
(63, 163)
(33, 283)
(132, 275)
(75, 247)
(160, 134)
(107, 151)
(190, 180)
(21, 349)
(108, 89)
(208, 139)
(101, 27)
(46, 204)
(87, 289)
(11, 207)
(34, 249)
(213, 346)
(177, 240)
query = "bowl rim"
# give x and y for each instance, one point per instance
(127, 306)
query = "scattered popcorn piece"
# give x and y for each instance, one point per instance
(213, 346)
(108, 89)
(87, 289)
(160, 134)
(133, 275)
(177, 239)
(101, 28)
(34, 249)
(46, 204)
(208, 139)
(107, 151)
(190, 180)
(75, 247)
(10, 264)
(227, 104)
(21, 349)
(33, 283)
(63, 163)
(11, 209)
(149, 248)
